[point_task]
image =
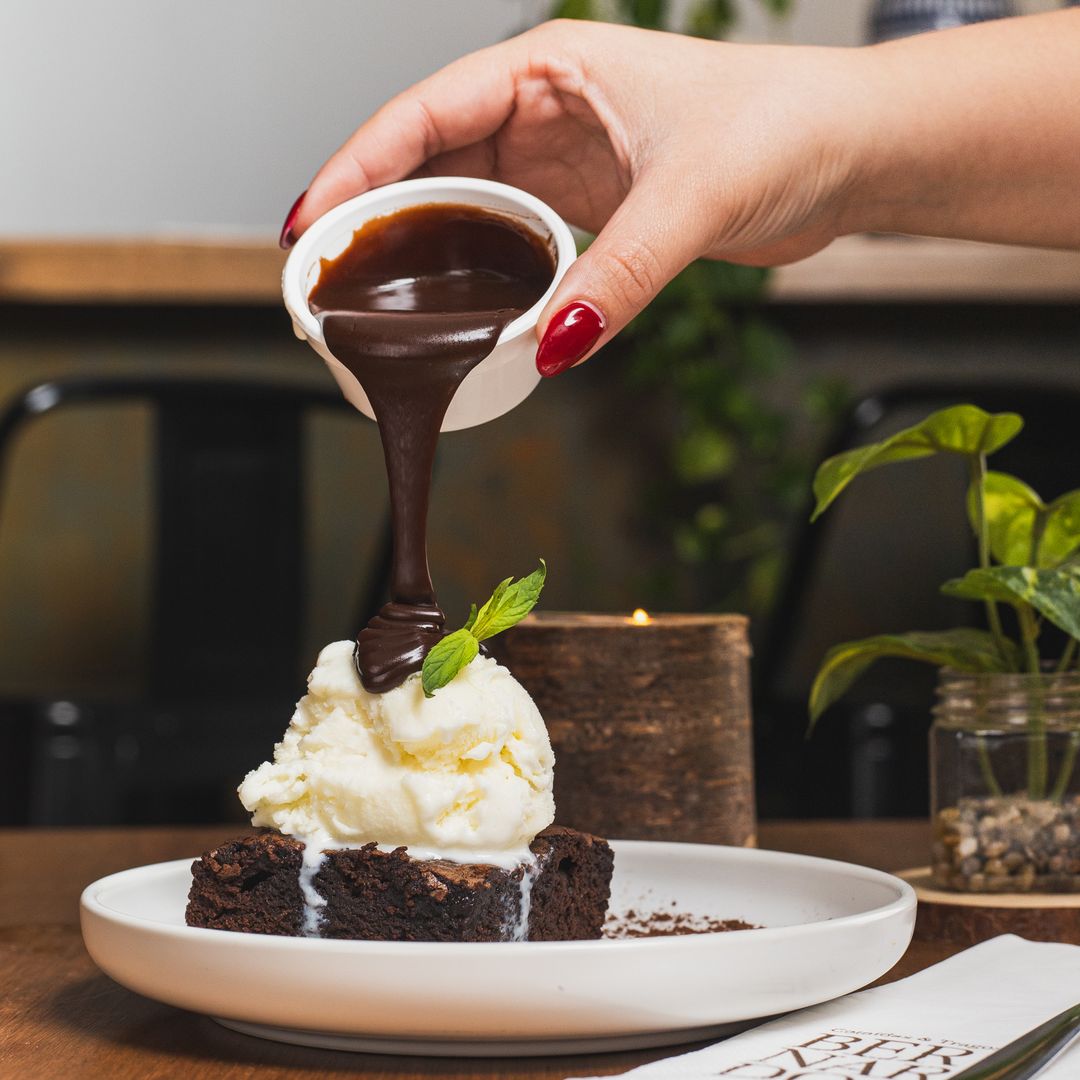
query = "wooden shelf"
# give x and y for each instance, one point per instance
(855, 269)
(888, 269)
(141, 271)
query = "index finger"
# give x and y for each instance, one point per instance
(461, 104)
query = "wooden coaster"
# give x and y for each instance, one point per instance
(967, 918)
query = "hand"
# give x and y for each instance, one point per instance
(667, 147)
(670, 148)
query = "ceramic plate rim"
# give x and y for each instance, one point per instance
(580, 996)
(904, 900)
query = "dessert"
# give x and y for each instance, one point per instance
(252, 884)
(405, 817)
(465, 774)
(411, 797)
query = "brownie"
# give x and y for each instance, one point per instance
(570, 894)
(252, 884)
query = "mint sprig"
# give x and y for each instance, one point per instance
(509, 604)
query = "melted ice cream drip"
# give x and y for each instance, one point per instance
(314, 902)
(518, 924)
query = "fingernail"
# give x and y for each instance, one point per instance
(287, 239)
(572, 332)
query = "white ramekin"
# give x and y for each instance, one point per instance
(506, 377)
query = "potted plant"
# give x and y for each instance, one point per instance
(1006, 732)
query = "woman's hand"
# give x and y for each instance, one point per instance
(670, 148)
(667, 147)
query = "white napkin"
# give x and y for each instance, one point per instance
(929, 1026)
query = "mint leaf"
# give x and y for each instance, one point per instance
(509, 604)
(446, 658)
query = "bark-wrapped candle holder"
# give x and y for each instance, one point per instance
(650, 721)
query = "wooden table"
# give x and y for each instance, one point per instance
(60, 1017)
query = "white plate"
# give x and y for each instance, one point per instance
(830, 928)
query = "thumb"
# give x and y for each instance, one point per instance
(647, 241)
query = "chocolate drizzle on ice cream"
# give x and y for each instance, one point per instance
(416, 301)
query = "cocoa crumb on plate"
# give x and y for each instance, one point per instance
(649, 924)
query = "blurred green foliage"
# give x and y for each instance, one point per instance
(737, 435)
(703, 18)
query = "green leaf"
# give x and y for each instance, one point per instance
(1054, 594)
(765, 349)
(1023, 530)
(446, 658)
(711, 18)
(703, 454)
(965, 649)
(573, 9)
(509, 604)
(961, 429)
(711, 518)
(683, 332)
(689, 544)
(651, 14)
(1013, 511)
(1061, 530)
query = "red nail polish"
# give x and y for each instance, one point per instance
(572, 332)
(286, 240)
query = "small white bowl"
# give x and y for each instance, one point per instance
(499, 382)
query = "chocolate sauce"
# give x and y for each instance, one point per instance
(414, 303)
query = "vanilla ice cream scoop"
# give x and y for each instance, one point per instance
(464, 775)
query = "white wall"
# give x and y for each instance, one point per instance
(127, 116)
(136, 116)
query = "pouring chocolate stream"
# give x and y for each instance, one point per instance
(414, 303)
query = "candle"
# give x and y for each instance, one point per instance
(649, 716)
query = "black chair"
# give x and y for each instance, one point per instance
(873, 564)
(228, 592)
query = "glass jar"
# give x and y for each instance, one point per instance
(1005, 782)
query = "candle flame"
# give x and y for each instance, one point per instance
(640, 617)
